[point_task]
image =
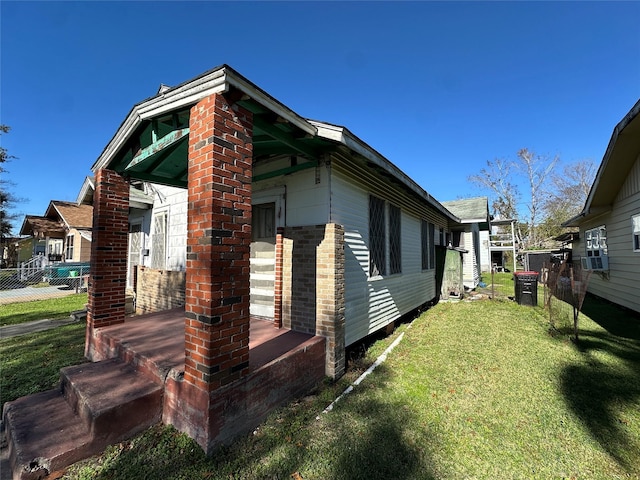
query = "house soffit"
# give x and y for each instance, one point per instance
(621, 154)
(41, 227)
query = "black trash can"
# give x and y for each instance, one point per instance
(526, 284)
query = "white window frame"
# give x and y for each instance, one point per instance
(635, 233)
(154, 255)
(595, 241)
(68, 251)
(138, 222)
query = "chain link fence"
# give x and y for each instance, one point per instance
(565, 286)
(39, 282)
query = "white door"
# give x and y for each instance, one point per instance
(136, 240)
(263, 259)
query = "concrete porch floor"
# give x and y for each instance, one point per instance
(156, 340)
(132, 385)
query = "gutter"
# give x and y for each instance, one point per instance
(345, 137)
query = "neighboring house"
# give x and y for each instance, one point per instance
(9, 251)
(63, 234)
(142, 199)
(472, 236)
(341, 242)
(609, 238)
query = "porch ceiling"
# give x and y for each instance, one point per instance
(157, 150)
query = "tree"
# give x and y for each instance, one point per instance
(496, 178)
(7, 199)
(501, 178)
(538, 170)
(569, 193)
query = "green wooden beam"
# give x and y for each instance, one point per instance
(283, 137)
(172, 182)
(152, 151)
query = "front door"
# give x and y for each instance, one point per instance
(135, 252)
(263, 260)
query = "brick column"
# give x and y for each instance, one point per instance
(330, 298)
(108, 274)
(277, 287)
(218, 244)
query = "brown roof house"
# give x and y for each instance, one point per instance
(63, 234)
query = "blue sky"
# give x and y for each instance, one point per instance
(437, 88)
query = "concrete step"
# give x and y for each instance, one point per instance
(44, 435)
(111, 398)
(98, 404)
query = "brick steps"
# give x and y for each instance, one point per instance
(97, 404)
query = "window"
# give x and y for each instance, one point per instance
(424, 237)
(596, 241)
(69, 250)
(136, 244)
(159, 241)
(428, 245)
(432, 246)
(635, 230)
(263, 222)
(395, 247)
(377, 237)
(385, 241)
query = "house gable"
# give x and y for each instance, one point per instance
(613, 202)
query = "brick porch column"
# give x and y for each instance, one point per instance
(330, 298)
(108, 274)
(218, 243)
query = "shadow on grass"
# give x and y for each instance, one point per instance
(372, 443)
(362, 438)
(604, 387)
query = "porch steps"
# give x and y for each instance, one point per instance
(97, 404)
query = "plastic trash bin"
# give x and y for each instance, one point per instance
(526, 284)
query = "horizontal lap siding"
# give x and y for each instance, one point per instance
(307, 197)
(370, 305)
(176, 228)
(623, 285)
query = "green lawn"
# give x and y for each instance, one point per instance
(31, 363)
(13, 313)
(481, 389)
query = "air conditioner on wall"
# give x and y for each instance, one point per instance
(599, 263)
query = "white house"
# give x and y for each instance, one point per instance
(473, 236)
(609, 223)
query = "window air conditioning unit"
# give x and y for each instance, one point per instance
(599, 263)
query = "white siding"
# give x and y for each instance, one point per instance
(372, 304)
(174, 201)
(468, 259)
(622, 283)
(485, 258)
(307, 201)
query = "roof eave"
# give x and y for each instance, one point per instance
(586, 215)
(218, 80)
(87, 186)
(628, 118)
(345, 137)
